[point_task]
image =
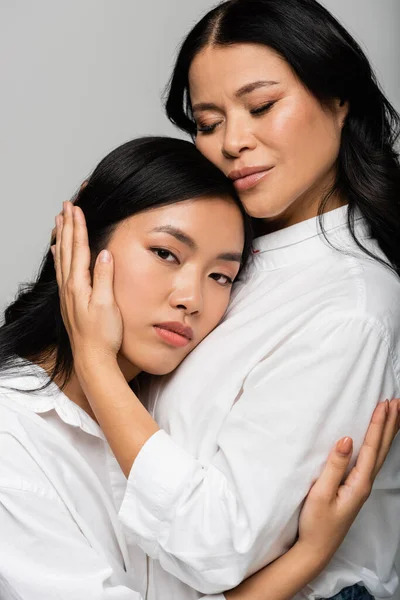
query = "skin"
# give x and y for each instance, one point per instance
(291, 133)
(160, 277)
(297, 141)
(182, 274)
(94, 323)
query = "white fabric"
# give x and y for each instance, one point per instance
(60, 491)
(309, 344)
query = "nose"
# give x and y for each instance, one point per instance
(238, 137)
(188, 296)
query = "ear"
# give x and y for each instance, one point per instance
(341, 109)
(83, 185)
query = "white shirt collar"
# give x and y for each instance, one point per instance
(28, 376)
(282, 247)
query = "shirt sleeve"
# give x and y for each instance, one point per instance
(211, 525)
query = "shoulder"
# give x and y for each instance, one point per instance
(355, 283)
(360, 298)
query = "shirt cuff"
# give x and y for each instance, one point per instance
(213, 597)
(156, 483)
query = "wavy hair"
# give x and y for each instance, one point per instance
(331, 65)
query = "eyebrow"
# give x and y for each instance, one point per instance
(250, 87)
(179, 235)
(245, 89)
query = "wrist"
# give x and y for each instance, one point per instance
(90, 359)
(312, 558)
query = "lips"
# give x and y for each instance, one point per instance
(248, 177)
(174, 333)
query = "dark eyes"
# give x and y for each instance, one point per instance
(165, 255)
(169, 257)
(221, 279)
(260, 110)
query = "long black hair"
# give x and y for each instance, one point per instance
(140, 175)
(331, 65)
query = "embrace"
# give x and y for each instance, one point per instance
(198, 392)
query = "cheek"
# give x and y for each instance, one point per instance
(133, 291)
(307, 141)
(288, 129)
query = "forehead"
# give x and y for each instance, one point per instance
(231, 67)
(211, 222)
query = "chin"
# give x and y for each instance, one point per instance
(260, 206)
(154, 363)
(160, 367)
(257, 204)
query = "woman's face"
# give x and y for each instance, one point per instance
(174, 268)
(258, 123)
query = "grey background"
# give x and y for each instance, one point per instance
(81, 76)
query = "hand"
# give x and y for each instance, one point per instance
(328, 513)
(90, 313)
(332, 505)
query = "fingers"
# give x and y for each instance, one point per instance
(368, 455)
(71, 251)
(103, 279)
(391, 428)
(80, 260)
(67, 234)
(380, 434)
(327, 485)
(57, 251)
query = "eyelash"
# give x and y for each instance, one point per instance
(156, 251)
(228, 282)
(262, 109)
(205, 129)
(214, 276)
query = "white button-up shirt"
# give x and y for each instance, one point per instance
(60, 491)
(310, 343)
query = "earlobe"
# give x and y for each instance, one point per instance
(342, 110)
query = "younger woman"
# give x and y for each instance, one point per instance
(283, 101)
(60, 486)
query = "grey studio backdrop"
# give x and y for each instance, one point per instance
(83, 76)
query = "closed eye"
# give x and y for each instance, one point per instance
(262, 109)
(204, 129)
(165, 255)
(222, 279)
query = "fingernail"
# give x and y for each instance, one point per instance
(345, 446)
(105, 256)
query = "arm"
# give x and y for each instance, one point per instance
(329, 510)
(44, 554)
(211, 525)
(233, 515)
